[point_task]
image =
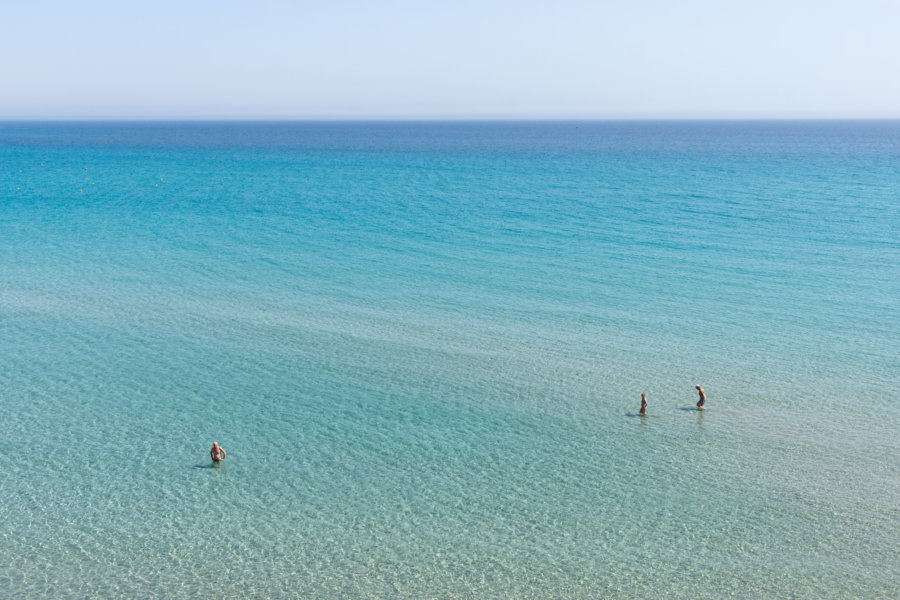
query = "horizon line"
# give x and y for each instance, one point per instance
(374, 119)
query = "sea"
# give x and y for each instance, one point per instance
(423, 346)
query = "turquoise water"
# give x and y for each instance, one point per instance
(423, 346)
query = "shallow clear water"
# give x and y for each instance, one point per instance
(423, 346)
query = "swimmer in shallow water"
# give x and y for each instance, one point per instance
(217, 453)
(701, 403)
(643, 404)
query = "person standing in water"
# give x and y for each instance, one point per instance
(217, 453)
(701, 403)
(643, 404)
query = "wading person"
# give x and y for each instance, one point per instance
(217, 453)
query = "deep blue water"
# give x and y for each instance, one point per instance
(423, 346)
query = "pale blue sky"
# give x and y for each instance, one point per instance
(460, 59)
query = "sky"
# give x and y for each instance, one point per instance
(484, 59)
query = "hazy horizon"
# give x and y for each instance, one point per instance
(276, 119)
(488, 60)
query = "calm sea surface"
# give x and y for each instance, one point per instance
(423, 346)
